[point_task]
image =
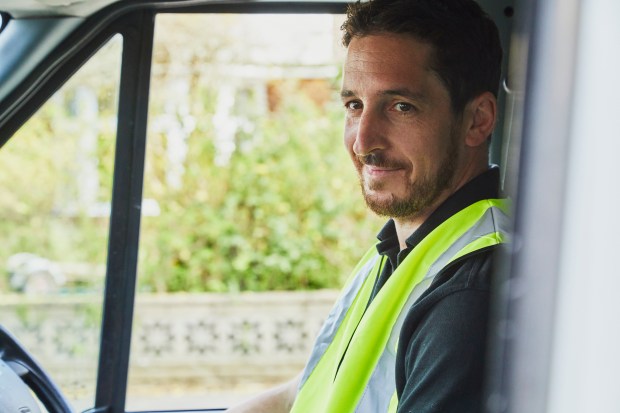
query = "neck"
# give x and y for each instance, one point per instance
(404, 228)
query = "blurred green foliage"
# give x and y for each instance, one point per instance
(282, 212)
(42, 207)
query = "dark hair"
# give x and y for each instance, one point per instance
(467, 53)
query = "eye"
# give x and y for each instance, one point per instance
(403, 107)
(353, 105)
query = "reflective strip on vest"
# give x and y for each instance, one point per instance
(334, 319)
(351, 368)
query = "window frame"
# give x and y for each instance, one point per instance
(123, 240)
(4, 20)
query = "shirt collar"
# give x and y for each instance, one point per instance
(388, 239)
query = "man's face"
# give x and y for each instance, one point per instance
(400, 130)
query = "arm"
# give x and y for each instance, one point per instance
(277, 400)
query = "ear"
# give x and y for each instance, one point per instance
(482, 113)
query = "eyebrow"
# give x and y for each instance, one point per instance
(405, 93)
(346, 93)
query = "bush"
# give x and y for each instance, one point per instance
(283, 214)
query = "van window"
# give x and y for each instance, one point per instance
(252, 212)
(55, 191)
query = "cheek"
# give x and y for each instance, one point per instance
(349, 143)
(348, 139)
(422, 151)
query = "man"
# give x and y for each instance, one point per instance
(408, 333)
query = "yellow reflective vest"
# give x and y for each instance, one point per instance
(351, 368)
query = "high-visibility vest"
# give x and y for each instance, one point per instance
(351, 368)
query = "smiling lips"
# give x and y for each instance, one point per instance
(380, 170)
(375, 164)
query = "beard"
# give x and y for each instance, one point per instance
(420, 194)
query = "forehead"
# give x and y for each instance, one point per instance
(390, 58)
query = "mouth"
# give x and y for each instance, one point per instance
(380, 170)
(377, 165)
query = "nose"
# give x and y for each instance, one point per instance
(368, 133)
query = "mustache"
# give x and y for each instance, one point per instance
(379, 160)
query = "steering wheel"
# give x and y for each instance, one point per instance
(20, 375)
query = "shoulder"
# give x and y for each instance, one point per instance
(472, 272)
(463, 283)
(458, 292)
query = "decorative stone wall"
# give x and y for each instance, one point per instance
(207, 340)
(226, 340)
